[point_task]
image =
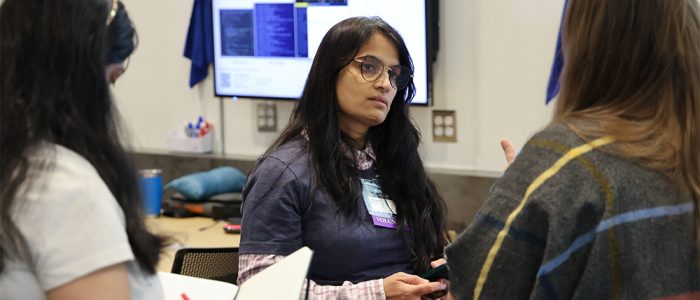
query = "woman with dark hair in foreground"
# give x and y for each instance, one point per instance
(70, 210)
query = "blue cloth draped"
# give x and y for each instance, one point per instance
(199, 46)
(553, 84)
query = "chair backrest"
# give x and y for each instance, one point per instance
(210, 263)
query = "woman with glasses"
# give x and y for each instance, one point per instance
(71, 225)
(603, 203)
(345, 177)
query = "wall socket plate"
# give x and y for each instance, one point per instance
(267, 117)
(444, 126)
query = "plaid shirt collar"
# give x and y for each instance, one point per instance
(364, 158)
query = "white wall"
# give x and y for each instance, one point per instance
(492, 69)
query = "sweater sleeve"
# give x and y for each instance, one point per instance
(272, 210)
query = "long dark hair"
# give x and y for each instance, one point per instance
(643, 87)
(54, 90)
(395, 141)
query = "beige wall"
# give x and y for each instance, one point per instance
(492, 70)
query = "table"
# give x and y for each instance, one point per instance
(197, 232)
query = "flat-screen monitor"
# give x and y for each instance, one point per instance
(264, 48)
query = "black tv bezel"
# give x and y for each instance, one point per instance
(431, 42)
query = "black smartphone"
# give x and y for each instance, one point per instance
(436, 273)
(433, 275)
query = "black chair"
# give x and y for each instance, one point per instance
(210, 263)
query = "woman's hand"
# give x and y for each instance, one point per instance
(405, 286)
(436, 263)
(508, 150)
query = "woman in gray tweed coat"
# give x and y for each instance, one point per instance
(603, 203)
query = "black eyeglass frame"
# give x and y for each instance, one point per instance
(395, 83)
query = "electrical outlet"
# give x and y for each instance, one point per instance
(444, 126)
(267, 117)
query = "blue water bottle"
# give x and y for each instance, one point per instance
(151, 186)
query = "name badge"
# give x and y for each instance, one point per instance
(380, 207)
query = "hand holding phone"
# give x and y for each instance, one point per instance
(439, 272)
(436, 273)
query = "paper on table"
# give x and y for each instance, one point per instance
(281, 281)
(175, 285)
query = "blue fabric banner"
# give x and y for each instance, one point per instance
(553, 84)
(199, 46)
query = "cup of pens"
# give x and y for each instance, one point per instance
(197, 129)
(192, 137)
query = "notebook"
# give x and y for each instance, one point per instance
(181, 287)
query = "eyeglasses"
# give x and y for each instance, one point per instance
(113, 11)
(372, 68)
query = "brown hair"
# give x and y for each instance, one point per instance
(632, 71)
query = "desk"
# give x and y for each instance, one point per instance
(189, 232)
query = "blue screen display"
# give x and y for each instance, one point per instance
(264, 48)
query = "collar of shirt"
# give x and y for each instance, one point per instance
(364, 158)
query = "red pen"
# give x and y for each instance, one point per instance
(184, 296)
